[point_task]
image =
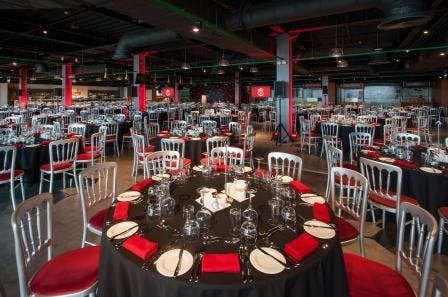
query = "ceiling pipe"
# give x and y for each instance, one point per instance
(398, 13)
(140, 39)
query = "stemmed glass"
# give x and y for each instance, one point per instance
(248, 232)
(250, 214)
(258, 173)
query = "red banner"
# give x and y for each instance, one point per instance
(168, 92)
(260, 91)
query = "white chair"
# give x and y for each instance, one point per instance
(152, 129)
(162, 162)
(358, 141)
(366, 128)
(443, 226)
(112, 135)
(334, 157)
(272, 120)
(330, 133)
(180, 125)
(384, 189)
(212, 142)
(77, 128)
(127, 137)
(73, 273)
(62, 157)
(388, 132)
(208, 125)
(203, 117)
(141, 150)
(224, 120)
(9, 173)
(248, 148)
(290, 165)
(402, 138)
(350, 198)
(307, 135)
(95, 152)
(368, 278)
(227, 156)
(235, 128)
(176, 144)
(422, 128)
(96, 184)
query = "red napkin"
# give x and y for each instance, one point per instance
(121, 211)
(405, 164)
(142, 185)
(299, 187)
(370, 148)
(141, 247)
(321, 213)
(18, 145)
(45, 142)
(374, 155)
(221, 167)
(69, 135)
(301, 247)
(224, 263)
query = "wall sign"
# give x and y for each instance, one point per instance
(260, 91)
(168, 92)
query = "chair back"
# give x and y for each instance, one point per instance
(235, 128)
(63, 151)
(402, 138)
(162, 162)
(358, 140)
(314, 118)
(32, 226)
(228, 155)
(420, 234)
(365, 128)
(96, 184)
(77, 128)
(388, 132)
(98, 143)
(290, 165)
(225, 119)
(439, 287)
(181, 125)
(384, 179)
(208, 125)
(334, 156)
(203, 117)
(216, 141)
(45, 128)
(112, 129)
(173, 144)
(329, 129)
(151, 129)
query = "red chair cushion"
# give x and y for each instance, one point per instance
(97, 220)
(346, 230)
(148, 149)
(111, 137)
(7, 175)
(56, 167)
(350, 166)
(87, 156)
(444, 212)
(91, 148)
(345, 180)
(68, 273)
(389, 202)
(187, 162)
(367, 278)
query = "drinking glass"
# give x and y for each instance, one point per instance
(235, 220)
(203, 217)
(188, 211)
(274, 205)
(248, 232)
(289, 217)
(167, 206)
(250, 214)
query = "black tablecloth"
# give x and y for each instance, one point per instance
(320, 274)
(29, 159)
(193, 148)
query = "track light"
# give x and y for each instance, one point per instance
(196, 27)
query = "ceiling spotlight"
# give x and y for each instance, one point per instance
(204, 70)
(8, 79)
(378, 49)
(442, 54)
(185, 66)
(76, 60)
(14, 63)
(223, 62)
(119, 77)
(196, 27)
(426, 32)
(440, 77)
(397, 60)
(253, 69)
(45, 30)
(220, 71)
(407, 51)
(98, 79)
(336, 52)
(241, 67)
(342, 64)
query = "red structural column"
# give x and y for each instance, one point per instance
(67, 84)
(23, 86)
(291, 38)
(142, 87)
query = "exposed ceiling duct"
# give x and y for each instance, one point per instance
(398, 13)
(141, 39)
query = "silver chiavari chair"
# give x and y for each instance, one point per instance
(290, 165)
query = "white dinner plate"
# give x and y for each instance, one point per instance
(313, 199)
(247, 169)
(120, 227)
(284, 178)
(195, 138)
(174, 137)
(160, 176)
(265, 263)
(366, 151)
(198, 168)
(431, 170)
(323, 233)
(386, 159)
(129, 196)
(306, 195)
(166, 264)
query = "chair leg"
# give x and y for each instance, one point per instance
(63, 180)
(41, 182)
(84, 236)
(51, 182)
(384, 219)
(372, 212)
(13, 195)
(439, 241)
(22, 188)
(361, 246)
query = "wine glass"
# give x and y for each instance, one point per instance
(248, 233)
(235, 220)
(250, 214)
(259, 173)
(289, 217)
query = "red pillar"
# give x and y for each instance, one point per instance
(23, 86)
(67, 84)
(141, 87)
(290, 85)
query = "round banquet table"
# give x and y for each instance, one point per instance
(429, 189)
(320, 274)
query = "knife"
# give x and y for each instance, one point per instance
(179, 262)
(268, 254)
(317, 226)
(127, 230)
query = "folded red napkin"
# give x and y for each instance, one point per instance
(299, 187)
(142, 185)
(374, 155)
(301, 247)
(224, 263)
(405, 164)
(121, 211)
(321, 213)
(222, 167)
(141, 247)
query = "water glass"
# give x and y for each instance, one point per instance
(289, 217)
(167, 206)
(248, 232)
(204, 217)
(274, 205)
(188, 211)
(235, 220)
(191, 230)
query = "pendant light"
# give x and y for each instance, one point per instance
(223, 62)
(336, 52)
(185, 65)
(253, 69)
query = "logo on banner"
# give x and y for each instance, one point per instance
(261, 91)
(168, 92)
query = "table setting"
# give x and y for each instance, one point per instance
(220, 230)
